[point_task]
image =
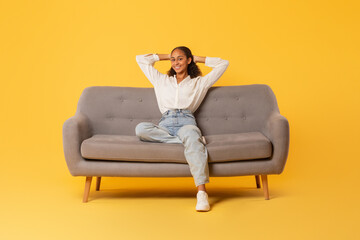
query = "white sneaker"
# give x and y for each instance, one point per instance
(202, 202)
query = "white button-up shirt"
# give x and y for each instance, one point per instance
(190, 92)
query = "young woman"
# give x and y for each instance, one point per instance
(179, 93)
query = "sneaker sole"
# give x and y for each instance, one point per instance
(203, 210)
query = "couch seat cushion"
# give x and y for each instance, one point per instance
(221, 148)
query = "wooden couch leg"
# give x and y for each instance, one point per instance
(98, 181)
(257, 179)
(87, 189)
(265, 186)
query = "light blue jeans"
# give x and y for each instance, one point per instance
(179, 126)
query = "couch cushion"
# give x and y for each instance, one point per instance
(221, 148)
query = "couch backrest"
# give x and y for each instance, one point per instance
(228, 109)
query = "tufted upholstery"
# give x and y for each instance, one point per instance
(245, 132)
(232, 109)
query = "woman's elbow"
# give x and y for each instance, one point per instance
(145, 59)
(139, 58)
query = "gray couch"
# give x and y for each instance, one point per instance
(244, 132)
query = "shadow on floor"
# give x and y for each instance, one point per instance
(216, 195)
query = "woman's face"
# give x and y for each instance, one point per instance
(179, 62)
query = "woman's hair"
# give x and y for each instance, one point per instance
(193, 70)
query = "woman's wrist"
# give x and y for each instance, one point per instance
(164, 56)
(198, 59)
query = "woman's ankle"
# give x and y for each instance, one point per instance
(201, 187)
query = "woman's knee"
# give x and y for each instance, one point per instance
(189, 132)
(142, 128)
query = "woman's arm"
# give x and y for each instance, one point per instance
(146, 63)
(161, 56)
(199, 59)
(167, 57)
(164, 56)
(218, 66)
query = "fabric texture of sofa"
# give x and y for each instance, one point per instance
(244, 131)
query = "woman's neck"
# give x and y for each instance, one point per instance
(181, 76)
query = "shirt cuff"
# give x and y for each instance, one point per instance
(156, 57)
(211, 61)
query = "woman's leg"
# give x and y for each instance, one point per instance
(196, 156)
(195, 153)
(151, 132)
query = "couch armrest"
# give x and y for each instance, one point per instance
(277, 130)
(75, 130)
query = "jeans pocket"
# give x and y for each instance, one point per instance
(188, 119)
(189, 115)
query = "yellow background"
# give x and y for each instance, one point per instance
(307, 51)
